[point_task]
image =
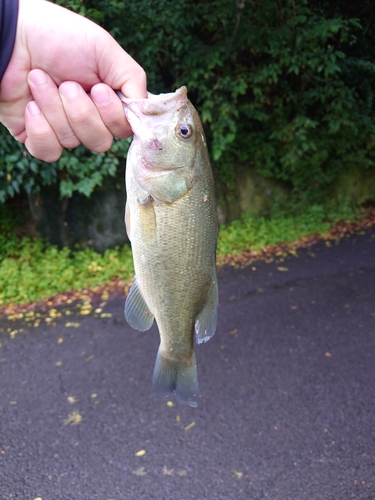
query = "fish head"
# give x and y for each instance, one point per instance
(167, 130)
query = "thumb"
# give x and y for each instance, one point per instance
(119, 70)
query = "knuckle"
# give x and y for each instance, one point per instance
(71, 143)
(42, 139)
(142, 75)
(122, 132)
(103, 146)
(68, 139)
(80, 119)
(113, 123)
(139, 74)
(49, 154)
(52, 157)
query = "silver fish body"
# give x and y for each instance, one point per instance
(171, 222)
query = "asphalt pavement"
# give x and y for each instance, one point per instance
(287, 409)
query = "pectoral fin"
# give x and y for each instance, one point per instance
(205, 324)
(137, 313)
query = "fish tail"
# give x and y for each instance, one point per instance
(172, 375)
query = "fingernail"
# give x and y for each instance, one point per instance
(69, 89)
(38, 77)
(33, 108)
(100, 95)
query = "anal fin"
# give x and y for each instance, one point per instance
(205, 323)
(137, 313)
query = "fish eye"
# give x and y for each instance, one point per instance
(184, 130)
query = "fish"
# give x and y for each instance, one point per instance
(171, 222)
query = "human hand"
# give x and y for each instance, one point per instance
(59, 56)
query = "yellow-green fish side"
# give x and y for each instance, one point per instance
(172, 224)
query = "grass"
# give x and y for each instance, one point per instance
(33, 270)
(255, 233)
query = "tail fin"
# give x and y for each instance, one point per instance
(171, 375)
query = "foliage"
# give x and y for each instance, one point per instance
(32, 269)
(285, 87)
(255, 233)
(77, 170)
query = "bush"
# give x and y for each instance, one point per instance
(283, 87)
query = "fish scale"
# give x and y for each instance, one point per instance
(171, 221)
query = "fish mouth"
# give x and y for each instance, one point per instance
(154, 104)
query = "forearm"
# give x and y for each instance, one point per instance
(8, 26)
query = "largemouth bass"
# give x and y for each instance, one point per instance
(171, 222)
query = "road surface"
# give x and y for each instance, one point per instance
(287, 408)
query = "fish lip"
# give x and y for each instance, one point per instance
(154, 104)
(165, 98)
